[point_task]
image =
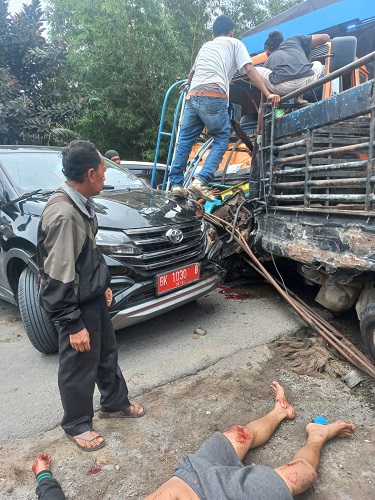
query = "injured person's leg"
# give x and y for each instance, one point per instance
(259, 431)
(301, 473)
(218, 452)
(216, 470)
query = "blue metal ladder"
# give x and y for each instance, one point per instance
(173, 138)
(162, 133)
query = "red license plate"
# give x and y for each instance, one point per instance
(178, 277)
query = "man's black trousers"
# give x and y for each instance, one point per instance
(78, 371)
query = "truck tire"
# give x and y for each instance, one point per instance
(39, 328)
(344, 49)
(367, 323)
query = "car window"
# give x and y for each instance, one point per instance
(144, 171)
(44, 171)
(121, 177)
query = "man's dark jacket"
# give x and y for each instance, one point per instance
(72, 268)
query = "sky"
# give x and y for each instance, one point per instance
(16, 5)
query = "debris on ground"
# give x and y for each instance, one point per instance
(200, 331)
(353, 378)
(310, 355)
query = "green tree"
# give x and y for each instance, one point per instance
(247, 14)
(193, 18)
(32, 109)
(124, 55)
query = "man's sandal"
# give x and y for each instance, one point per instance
(124, 413)
(86, 436)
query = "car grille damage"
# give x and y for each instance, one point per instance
(158, 252)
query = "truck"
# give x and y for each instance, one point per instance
(306, 179)
(312, 190)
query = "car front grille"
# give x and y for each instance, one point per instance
(158, 253)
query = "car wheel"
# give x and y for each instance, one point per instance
(39, 328)
(367, 324)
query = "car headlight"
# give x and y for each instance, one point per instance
(115, 243)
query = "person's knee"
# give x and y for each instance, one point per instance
(240, 434)
(299, 475)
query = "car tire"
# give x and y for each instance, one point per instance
(367, 323)
(39, 328)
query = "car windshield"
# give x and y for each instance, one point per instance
(30, 171)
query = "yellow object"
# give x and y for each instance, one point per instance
(245, 186)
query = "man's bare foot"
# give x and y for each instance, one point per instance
(88, 441)
(282, 404)
(329, 431)
(43, 462)
(90, 444)
(300, 100)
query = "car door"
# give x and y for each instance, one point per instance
(7, 216)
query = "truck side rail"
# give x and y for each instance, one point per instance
(322, 155)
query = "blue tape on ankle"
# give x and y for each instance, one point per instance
(320, 420)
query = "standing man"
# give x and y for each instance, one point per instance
(113, 155)
(207, 104)
(74, 281)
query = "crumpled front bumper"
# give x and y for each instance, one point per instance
(132, 314)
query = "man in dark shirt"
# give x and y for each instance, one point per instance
(288, 67)
(113, 155)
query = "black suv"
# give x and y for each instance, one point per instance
(158, 251)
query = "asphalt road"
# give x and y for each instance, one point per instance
(151, 354)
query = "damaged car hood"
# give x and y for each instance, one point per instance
(129, 209)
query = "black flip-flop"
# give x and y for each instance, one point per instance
(85, 436)
(122, 413)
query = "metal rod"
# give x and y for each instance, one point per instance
(318, 324)
(370, 159)
(272, 154)
(349, 182)
(309, 148)
(289, 145)
(355, 165)
(321, 152)
(358, 198)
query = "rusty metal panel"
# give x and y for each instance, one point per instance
(312, 237)
(351, 103)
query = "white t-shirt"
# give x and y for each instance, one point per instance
(218, 60)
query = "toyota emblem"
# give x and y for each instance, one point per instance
(175, 235)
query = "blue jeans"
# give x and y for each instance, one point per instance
(200, 112)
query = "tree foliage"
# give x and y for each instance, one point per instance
(125, 54)
(250, 13)
(32, 109)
